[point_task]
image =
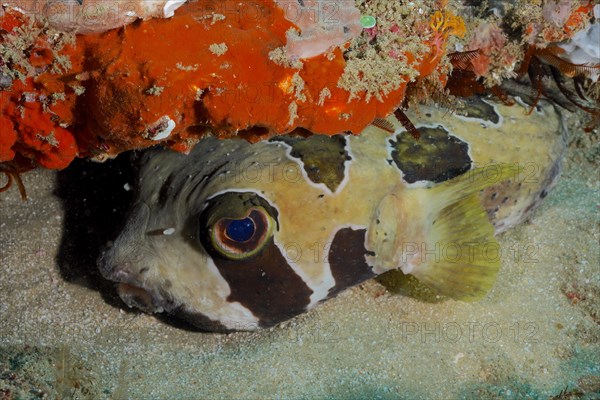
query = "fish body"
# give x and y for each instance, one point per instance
(239, 236)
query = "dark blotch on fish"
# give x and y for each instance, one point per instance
(347, 260)
(266, 285)
(323, 157)
(436, 157)
(477, 108)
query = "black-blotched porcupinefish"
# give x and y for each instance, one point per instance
(239, 236)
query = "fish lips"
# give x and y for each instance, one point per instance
(132, 290)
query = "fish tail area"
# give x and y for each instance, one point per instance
(458, 255)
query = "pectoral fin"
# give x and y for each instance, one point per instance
(458, 255)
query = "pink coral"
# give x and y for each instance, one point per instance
(489, 39)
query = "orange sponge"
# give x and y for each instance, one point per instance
(213, 68)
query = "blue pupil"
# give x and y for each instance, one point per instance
(240, 230)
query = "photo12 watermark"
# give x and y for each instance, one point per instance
(463, 332)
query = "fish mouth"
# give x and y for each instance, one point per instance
(138, 297)
(137, 294)
(134, 291)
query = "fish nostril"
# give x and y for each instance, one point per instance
(117, 269)
(121, 273)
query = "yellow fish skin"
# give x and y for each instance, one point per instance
(239, 236)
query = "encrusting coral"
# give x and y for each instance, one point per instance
(93, 87)
(213, 68)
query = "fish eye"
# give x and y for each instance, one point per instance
(237, 225)
(242, 237)
(239, 230)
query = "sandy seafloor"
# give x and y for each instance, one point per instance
(64, 333)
